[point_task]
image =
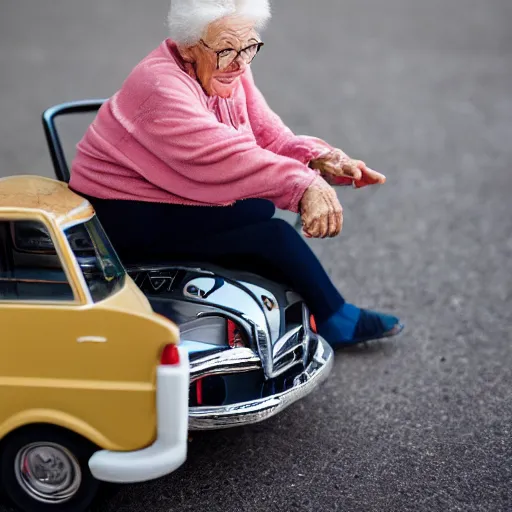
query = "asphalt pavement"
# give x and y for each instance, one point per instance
(422, 91)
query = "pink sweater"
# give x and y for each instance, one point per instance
(160, 138)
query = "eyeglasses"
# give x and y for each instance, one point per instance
(227, 56)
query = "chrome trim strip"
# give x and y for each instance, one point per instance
(232, 360)
(271, 308)
(289, 343)
(306, 341)
(285, 346)
(282, 346)
(257, 334)
(212, 418)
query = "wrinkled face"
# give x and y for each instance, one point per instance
(221, 57)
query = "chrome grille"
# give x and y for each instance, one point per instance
(296, 347)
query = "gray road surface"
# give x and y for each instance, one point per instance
(422, 90)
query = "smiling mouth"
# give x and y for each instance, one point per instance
(227, 79)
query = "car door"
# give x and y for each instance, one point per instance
(63, 357)
(38, 315)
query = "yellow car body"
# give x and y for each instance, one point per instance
(90, 366)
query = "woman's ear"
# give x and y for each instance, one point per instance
(187, 53)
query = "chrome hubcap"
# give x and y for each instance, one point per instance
(48, 472)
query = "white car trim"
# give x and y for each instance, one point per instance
(169, 451)
(91, 339)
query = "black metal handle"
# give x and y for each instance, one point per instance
(52, 135)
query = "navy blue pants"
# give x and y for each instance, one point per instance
(243, 236)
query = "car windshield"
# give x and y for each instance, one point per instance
(98, 261)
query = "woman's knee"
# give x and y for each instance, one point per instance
(284, 228)
(285, 234)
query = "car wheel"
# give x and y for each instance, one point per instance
(45, 469)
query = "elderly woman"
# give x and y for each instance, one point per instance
(188, 162)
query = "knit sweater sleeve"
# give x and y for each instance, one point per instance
(271, 132)
(217, 163)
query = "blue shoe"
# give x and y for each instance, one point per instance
(352, 325)
(373, 326)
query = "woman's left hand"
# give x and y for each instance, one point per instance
(339, 169)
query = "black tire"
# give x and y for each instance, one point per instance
(74, 453)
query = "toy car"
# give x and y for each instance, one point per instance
(252, 343)
(93, 386)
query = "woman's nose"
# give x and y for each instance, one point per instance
(239, 64)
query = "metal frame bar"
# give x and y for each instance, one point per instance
(52, 135)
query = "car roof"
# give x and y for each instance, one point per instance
(37, 193)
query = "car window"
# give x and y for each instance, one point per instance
(30, 269)
(97, 259)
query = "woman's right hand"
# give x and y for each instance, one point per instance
(321, 211)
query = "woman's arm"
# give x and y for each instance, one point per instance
(272, 134)
(209, 161)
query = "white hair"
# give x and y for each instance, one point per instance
(188, 19)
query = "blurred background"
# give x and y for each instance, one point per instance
(422, 91)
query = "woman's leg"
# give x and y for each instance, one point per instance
(143, 232)
(245, 232)
(140, 230)
(275, 250)
(279, 247)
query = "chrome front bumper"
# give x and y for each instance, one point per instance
(218, 417)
